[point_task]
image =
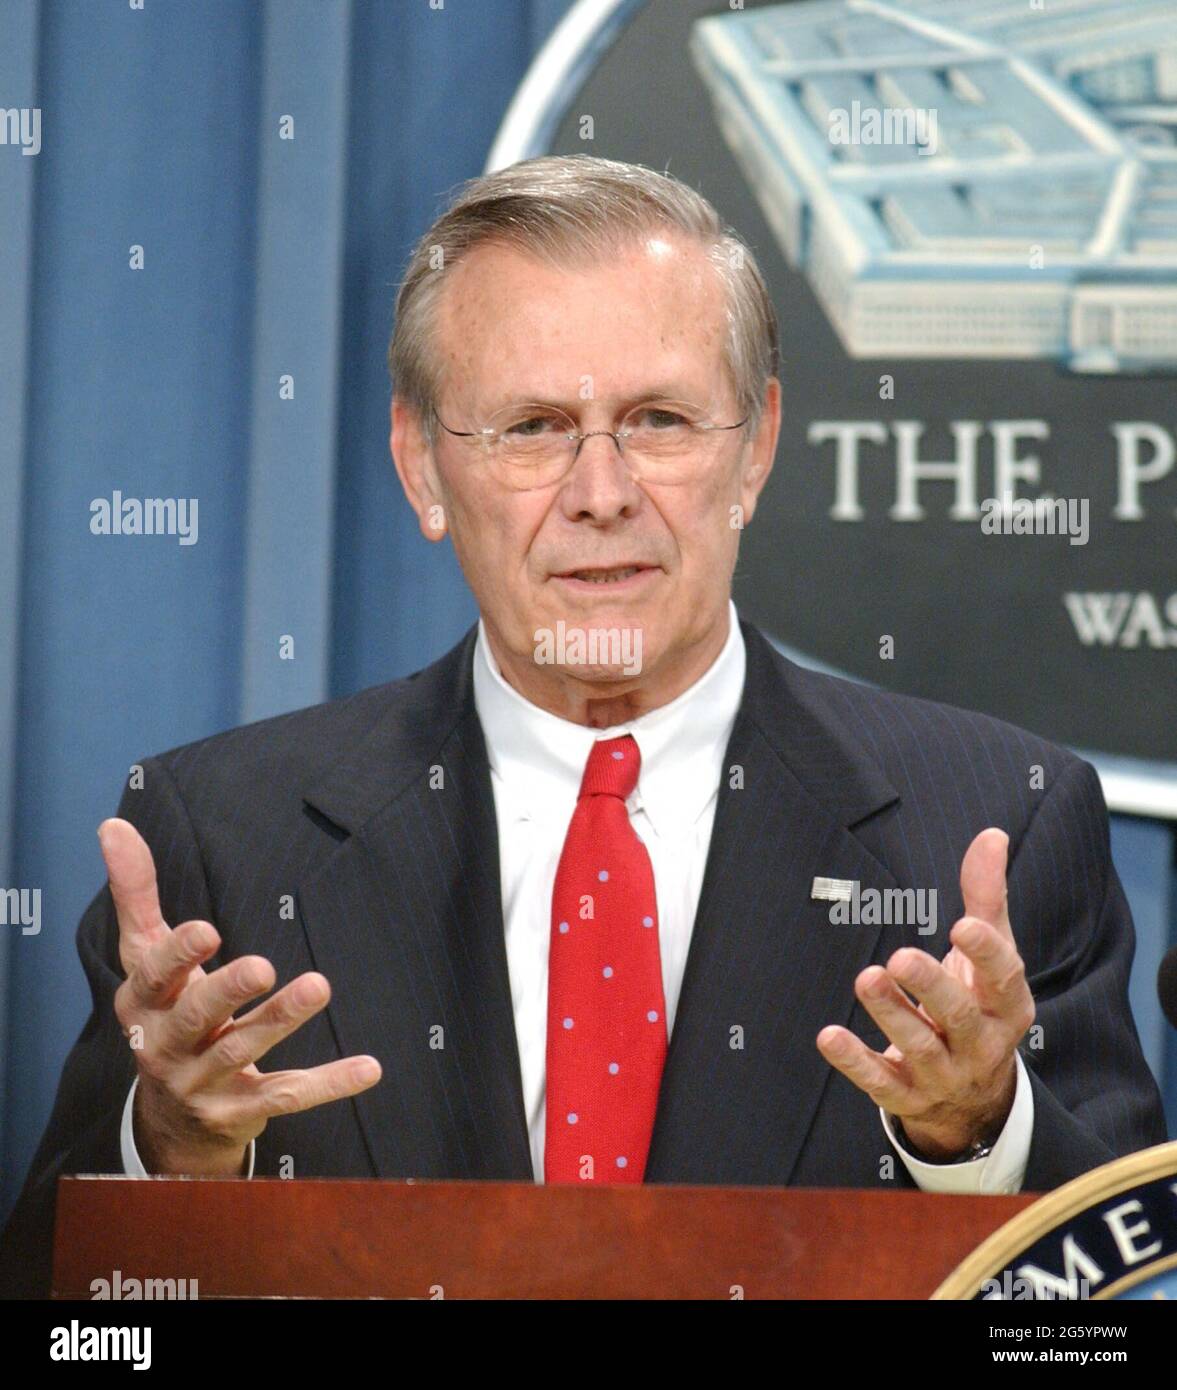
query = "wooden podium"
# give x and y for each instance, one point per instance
(335, 1238)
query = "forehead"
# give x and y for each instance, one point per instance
(511, 326)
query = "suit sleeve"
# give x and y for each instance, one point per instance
(1094, 1095)
(83, 1134)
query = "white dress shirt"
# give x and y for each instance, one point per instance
(537, 761)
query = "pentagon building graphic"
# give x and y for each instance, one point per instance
(966, 178)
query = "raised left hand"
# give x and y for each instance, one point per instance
(949, 1073)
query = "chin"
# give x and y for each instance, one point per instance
(607, 647)
(602, 676)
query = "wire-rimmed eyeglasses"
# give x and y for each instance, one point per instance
(531, 446)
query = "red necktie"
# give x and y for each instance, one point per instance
(606, 1013)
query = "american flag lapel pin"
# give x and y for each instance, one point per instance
(832, 890)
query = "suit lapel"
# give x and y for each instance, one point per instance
(405, 920)
(766, 968)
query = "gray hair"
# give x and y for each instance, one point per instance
(560, 208)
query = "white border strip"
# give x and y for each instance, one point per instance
(588, 28)
(1134, 787)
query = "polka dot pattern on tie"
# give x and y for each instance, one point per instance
(603, 1076)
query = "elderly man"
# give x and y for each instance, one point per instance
(580, 887)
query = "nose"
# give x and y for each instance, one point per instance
(600, 486)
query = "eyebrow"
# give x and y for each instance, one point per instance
(660, 391)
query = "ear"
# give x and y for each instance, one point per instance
(412, 456)
(761, 452)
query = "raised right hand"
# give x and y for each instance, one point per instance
(201, 1099)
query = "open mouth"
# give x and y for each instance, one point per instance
(602, 576)
(618, 575)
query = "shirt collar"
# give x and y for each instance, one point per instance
(539, 758)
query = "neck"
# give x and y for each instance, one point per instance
(604, 703)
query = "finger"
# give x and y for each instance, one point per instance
(162, 971)
(951, 1005)
(872, 1074)
(288, 1092)
(131, 871)
(999, 973)
(983, 879)
(252, 1036)
(912, 1033)
(210, 1002)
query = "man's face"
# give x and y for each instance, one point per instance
(647, 323)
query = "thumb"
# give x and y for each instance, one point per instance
(133, 887)
(982, 879)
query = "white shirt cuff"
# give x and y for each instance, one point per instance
(1003, 1169)
(132, 1163)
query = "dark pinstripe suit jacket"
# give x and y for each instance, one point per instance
(396, 899)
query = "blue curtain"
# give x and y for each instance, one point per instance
(194, 307)
(264, 260)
